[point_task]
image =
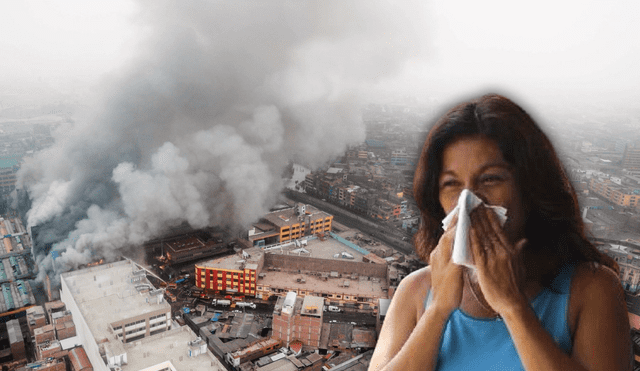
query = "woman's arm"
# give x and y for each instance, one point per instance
(602, 336)
(602, 339)
(405, 342)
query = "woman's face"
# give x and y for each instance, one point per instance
(476, 163)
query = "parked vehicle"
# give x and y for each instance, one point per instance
(333, 308)
(222, 302)
(243, 304)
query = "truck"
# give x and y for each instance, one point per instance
(243, 304)
(332, 308)
(222, 302)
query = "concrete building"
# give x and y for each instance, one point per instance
(113, 304)
(16, 340)
(631, 158)
(629, 262)
(282, 362)
(238, 338)
(289, 224)
(8, 169)
(123, 321)
(45, 365)
(235, 274)
(321, 269)
(298, 319)
(192, 247)
(35, 318)
(618, 194)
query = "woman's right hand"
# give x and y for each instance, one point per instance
(446, 277)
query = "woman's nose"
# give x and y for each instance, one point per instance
(479, 193)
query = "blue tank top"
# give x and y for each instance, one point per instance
(470, 343)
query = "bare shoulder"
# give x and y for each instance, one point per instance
(413, 289)
(599, 319)
(597, 282)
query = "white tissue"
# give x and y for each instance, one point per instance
(467, 201)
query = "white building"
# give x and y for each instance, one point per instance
(117, 312)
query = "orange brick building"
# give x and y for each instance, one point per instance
(298, 319)
(235, 274)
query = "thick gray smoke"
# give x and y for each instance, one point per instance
(200, 126)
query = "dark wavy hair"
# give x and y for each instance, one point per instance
(553, 224)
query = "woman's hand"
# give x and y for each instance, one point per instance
(499, 264)
(446, 277)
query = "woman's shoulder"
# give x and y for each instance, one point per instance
(413, 289)
(417, 279)
(592, 276)
(594, 288)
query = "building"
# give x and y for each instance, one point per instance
(617, 194)
(332, 268)
(629, 263)
(35, 318)
(113, 304)
(123, 322)
(298, 319)
(235, 274)
(282, 362)
(631, 158)
(289, 224)
(192, 247)
(16, 340)
(46, 365)
(79, 360)
(8, 169)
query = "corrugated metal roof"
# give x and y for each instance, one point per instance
(79, 359)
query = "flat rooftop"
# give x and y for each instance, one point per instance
(168, 346)
(185, 244)
(289, 216)
(321, 249)
(105, 294)
(362, 286)
(237, 261)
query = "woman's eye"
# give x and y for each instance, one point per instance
(448, 183)
(491, 179)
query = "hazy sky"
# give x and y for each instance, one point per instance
(587, 49)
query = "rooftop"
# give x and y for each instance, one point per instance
(312, 306)
(289, 216)
(112, 292)
(170, 346)
(321, 249)
(362, 286)
(250, 260)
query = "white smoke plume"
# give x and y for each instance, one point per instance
(201, 124)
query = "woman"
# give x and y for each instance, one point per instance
(541, 297)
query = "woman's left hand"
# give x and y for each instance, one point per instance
(498, 262)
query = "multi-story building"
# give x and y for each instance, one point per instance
(619, 195)
(631, 158)
(231, 274)
(329, 269)
(180, 250)
(290, 224)
(113, 304)
(8, 169)
(298, 319)
(123, 322)
(629, 264)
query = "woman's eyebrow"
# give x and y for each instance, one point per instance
(500, 164)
